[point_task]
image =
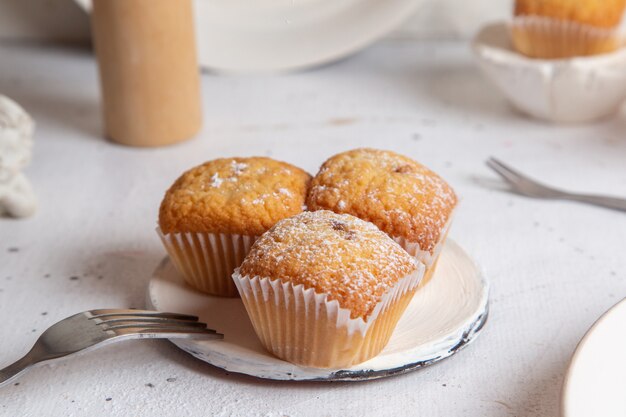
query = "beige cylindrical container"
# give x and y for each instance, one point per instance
(148, 70)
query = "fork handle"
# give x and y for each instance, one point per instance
(607, 202)
(7, 374)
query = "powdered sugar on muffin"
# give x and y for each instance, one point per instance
(402, 197)
(233, 195)
(346, 258)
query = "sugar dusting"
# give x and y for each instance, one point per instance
(237, 169)
(233, 195)
(216, 181)
(260, 199)
(404, 198)
(339, 255)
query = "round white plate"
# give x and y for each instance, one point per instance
(278, 35)
(443, 317)
(595, 383)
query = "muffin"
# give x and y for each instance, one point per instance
(326, 290)
(213, 213)
(406, 200)
(566, 28)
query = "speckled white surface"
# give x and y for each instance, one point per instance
(554, 266)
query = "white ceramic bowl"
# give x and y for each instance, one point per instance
(575, 90)
(281, 35)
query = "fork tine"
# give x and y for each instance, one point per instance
(516, 177)
(496, 163)
(170, 332)
(139, 313)
(164, 325)
(177, 330)
(505, 174)
(139, 319)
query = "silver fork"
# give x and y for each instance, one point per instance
(529, 187)
(91, 329)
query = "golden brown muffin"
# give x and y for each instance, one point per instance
(551, 29)
(325, 289)
(213, 213)
(233, 195)
(400, 196)
(339, 255)
(598, 13)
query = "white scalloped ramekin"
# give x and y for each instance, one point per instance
(573, 90)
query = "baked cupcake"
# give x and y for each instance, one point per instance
(566, 28)
(403, 198)
(326, 290)
(213, 213)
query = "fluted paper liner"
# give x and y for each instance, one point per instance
(547, 38)
(305, 328)
(428, 258)
(207, 260)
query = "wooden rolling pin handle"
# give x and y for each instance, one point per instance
(148, 70)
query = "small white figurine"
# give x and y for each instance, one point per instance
(16, 131)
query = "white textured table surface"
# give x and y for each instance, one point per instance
(554, 267)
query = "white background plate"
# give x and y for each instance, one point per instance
(443, 317)
(277, 35)
(595, 384)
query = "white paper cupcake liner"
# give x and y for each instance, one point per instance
(305, 328)
(548, 38)
(207, 260)
(428, 258)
